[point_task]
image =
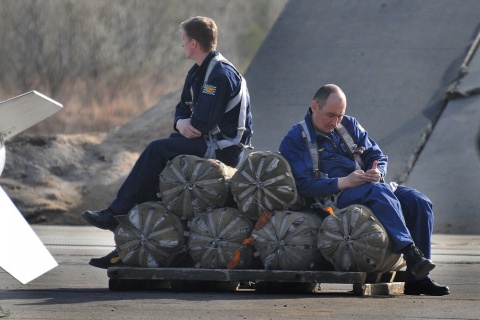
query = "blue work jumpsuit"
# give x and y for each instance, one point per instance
(205, 103)
(406, 213)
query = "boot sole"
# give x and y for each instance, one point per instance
(419, 293)
(104, 265)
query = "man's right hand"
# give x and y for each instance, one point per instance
(187, 130)
(354, 179)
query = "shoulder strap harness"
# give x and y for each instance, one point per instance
(241, 96)
(329, 203)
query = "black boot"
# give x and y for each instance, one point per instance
(417, 264)
(102, 219)
(427, 287)
(110, 260)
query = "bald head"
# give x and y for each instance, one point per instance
(328, 107)
(322, 94)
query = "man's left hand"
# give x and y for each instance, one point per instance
(373, 174)
(187, 130)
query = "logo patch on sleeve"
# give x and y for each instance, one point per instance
(209, 89)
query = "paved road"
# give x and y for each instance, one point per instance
(74, 290)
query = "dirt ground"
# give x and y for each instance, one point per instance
(53, 179)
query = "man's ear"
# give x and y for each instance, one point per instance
(314, 106)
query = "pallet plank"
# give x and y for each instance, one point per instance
(235, 275)
(373, 289)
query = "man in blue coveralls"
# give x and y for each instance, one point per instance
(212, 120)
(358, 176)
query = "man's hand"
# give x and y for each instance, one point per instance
(187, 130)
(372, 175)
(354, 179)
(359, 177)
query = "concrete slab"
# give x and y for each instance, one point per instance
(470, 83)
(394, 59)
(448, 168)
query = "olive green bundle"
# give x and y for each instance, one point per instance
(353, 239)
(190, 184)
(150, 236)
(288, 241)
(264, 182)
(221, 239)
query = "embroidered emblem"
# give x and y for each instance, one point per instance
(209, 89)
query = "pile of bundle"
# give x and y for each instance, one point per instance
(286, 237)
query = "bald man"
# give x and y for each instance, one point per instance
(358, 177)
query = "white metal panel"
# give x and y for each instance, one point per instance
(2, 157)
(24, 111)
(23, 254)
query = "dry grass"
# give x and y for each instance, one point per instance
(108, 61)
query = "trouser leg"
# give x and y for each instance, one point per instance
(418, 214)
(142, 183)
(386, 207)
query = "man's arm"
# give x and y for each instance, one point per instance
(214, 97)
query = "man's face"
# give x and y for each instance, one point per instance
(188, 45)
(328, 117)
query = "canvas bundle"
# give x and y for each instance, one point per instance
(354, 240)
(288, 241)
(190, 184)
(219, 239)
(264, 182)
(149, 236)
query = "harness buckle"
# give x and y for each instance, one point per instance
(358, 150)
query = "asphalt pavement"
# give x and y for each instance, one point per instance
(75, 290)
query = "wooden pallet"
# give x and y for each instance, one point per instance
(264, 281)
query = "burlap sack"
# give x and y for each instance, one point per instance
(150, 236)
(190, 184)
(264, 182)
(220, 239)
(288, 241)
(354, 240)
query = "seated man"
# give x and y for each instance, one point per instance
(323, 164)
(212, 120)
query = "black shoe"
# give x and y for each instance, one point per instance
(110, 260)
(427, 287)
(102, 219)
(418, 265)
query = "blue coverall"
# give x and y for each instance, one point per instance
(406, 213)
(205, 104)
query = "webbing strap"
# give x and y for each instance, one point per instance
(320, 202)
(312, 147)
(347, 138)
(240, 97)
